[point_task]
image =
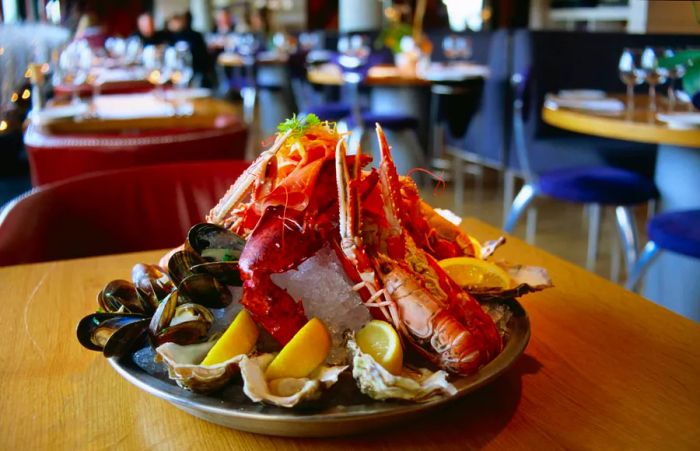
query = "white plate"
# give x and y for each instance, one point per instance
(583, 94)
(680, 120)
(187, 94)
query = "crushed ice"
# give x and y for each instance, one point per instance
(326, 293)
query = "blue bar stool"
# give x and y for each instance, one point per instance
(334, 111)
(677, 231)
(593, 186)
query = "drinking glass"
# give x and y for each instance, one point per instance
(449, 47)
(653, 74)
(179, 61)
(154, 63)
(675, 73)
(463, 47)
(133, 50)
(630, 74)
(344, 45)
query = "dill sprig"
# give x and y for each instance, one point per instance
(299, 126)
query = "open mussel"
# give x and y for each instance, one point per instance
(182, 324)
(119, 296)
(115, 334)
(214, 243)
(152, 285)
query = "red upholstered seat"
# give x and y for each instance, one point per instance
(58, 157)
(147, 207)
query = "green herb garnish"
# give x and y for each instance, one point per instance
(299, 126)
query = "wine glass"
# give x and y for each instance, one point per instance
(344, 45)
(630, 74)
(674, 73)
(132, 51)
(463, 47)
(154, 63)
(653, 74)
(178, 59)
(309, 41)
(449, 47)
(359, 47)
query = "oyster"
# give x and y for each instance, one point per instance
(285, 392)
(526, 279)
(184, 367)
(377, 383)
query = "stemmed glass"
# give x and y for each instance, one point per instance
(674, 73)
(309, 41)
(178, 59)
(154, 63)
(456, 47)
(75, 63)
(653, 74)
(630, 74)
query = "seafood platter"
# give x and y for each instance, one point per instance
(320, 296)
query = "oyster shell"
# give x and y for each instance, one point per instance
(377, 383)
(526, 279)
(286, 392)
(184, 368)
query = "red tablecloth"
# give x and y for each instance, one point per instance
(117, 87)
(57, 157)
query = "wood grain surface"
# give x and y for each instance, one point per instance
(605, 369)
(639, 125)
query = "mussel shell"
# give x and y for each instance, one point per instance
(186, 333)
(95, 331)
(192, 312)
(152, 285)
(226, 272)
(124, 339)
(206, 290)
(180, 263)
(211, 236)
(120, 296)
(163, 314)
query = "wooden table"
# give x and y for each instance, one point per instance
(604, 369)
(676, 176)
(207, 113)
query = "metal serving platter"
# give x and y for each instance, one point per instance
(342, 410)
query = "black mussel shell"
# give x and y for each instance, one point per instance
(120, 294)
(226, 272)
(163, 314)
(95, 331)
(186, 333)
(206, 290)
(180, 263)
(152, 285)
(214, 243)
(124, 339)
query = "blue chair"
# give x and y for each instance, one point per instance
(332, 111)
(595, 186)
(677, 232)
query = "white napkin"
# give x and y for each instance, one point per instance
(606, 104)
(131, 106)
(458, 71)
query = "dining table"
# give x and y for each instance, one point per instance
(123, 130)
(672, 279)
(604, 369)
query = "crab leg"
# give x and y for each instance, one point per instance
(244, 183)
(350, 241)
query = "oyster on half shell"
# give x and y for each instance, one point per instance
(377, 383)
(184, 367)
(286, 392)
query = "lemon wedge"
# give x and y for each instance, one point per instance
(380, 340)
(477, 246)
(239, 338)
(471, 272)
(305, 351)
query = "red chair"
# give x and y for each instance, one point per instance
(57, 157)
(148, 207)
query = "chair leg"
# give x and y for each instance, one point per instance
(531, 228)
(627, 228)
(593, 236)
(458, 177)
(524, 198)
(652, 204)
(615, 260)
(646, 258)
(508, 192)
